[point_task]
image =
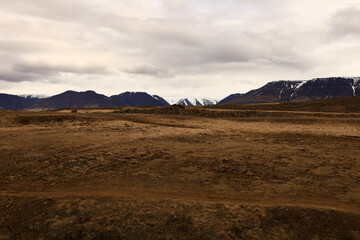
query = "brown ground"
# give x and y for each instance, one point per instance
(344, 104)
(179, 174)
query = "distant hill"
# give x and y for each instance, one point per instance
(343, 104)
(14, 102)
(137, 99)
(283, 91)
(73, 99)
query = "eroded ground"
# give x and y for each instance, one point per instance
(207, 175)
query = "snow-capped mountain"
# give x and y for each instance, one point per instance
(318, 88)
(196, 102)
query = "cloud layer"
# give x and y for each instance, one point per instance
(174, 48)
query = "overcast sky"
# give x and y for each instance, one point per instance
(174, 48)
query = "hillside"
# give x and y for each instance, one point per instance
(14, 102)
(345, 104)
(72, 99)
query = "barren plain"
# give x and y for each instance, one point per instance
(176, 173)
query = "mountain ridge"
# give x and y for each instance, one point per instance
(84, 99)
(285, 91)
(272, 92)
(137, 99)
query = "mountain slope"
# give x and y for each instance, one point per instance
(13, 102)
(137, 99)
(283, 91)
(230, 97)
(161, 100)
(323, 88)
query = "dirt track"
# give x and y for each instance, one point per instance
(156, 176)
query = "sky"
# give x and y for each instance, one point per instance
(174, 48)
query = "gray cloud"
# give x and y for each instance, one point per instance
(11, 76)
(150, 71)
(17, 46)
(346, 22)
(217, 47)
(49, 69)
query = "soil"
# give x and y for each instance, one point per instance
(179, 173)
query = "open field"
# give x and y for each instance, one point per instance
(179, 174)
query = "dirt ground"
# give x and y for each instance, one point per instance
(211, 174)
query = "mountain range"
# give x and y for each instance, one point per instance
(88, 99)
(272, 92)
(285, 91)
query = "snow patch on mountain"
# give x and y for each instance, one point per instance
(356, 84)
(297, 87)
(33, 96)
(156, 97)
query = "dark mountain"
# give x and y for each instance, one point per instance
(323, 88)
(13, 102)
(72, 99)
(230, 97)
(283, 91)
(88, 99)
(137, 99)
(279, 91)
(161, 100)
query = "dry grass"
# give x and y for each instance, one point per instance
(345, 104)
(192, 174)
